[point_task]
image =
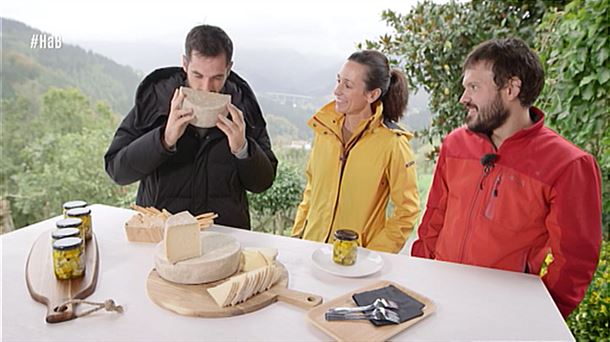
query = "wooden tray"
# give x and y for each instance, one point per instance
(364, 330)
(144, 234)
(194, 300)
(46, 289)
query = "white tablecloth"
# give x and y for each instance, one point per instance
(472, 303)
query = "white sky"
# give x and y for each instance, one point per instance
(327, 27)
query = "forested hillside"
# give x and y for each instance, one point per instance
(28, 71)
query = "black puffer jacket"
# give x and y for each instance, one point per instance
(202, 174)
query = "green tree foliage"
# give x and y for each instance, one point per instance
(591, 319)
(431, 41)
(52, 152)
(273, 210)
(574, 45)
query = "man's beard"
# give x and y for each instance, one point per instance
(489, 117)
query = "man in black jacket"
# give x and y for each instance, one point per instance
(183, 167)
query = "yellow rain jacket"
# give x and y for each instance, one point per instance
(348, 187)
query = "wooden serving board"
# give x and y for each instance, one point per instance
(194, 300)
(364, 330)
(46, 289)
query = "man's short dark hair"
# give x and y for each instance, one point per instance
(511, 57)
(209, 41)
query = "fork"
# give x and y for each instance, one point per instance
(379, 314)
(378, 303)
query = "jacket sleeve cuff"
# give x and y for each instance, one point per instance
(243, 153)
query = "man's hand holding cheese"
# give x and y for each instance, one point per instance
(177, 121)
(234, 129)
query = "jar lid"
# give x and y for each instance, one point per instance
(67, 243)
(69, 222)
(346, 234)
(74, 204)
(65, 232)
(78, 212)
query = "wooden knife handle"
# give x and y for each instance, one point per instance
(54, 315)
(301, 299)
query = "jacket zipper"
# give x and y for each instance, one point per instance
(344, 154)
(491, 203)
(486, 171)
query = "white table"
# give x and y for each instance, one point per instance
(472, 303)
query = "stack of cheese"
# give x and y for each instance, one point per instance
(260, 274)
(188, 256)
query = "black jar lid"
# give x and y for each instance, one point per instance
(346, 235)
(65, 232)
(67, 243)
(71, 222)
(78, 212)
(74, 204)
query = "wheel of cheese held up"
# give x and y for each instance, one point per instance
(220, 256)
(206, 106)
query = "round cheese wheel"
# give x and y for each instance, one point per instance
(219, 259)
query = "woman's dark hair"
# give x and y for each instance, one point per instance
(209, 41)
(392, 82)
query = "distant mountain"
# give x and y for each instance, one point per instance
(278, 76)
(28, 70)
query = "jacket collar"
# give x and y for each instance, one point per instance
(536, 114)
(327, 118)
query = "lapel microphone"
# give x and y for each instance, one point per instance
(488, 160)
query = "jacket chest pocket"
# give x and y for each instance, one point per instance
(514, 202)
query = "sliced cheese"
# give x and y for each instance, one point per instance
(220, 256)
(181, 238)
(206, 105)
(240, 288)
(221, 292)
(253, 258)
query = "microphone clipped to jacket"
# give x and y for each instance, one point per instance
(489, 160)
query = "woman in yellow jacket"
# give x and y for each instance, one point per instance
(361, 159)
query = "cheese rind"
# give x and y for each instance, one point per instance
(206, 106)
(219, 259)
(181, 238)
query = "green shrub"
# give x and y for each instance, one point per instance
(591, 320)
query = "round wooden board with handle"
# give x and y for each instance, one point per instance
(194, 300)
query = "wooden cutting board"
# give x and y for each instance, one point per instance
(194, 300)
(364, 330)
(46, 289)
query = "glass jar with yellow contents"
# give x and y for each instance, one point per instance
(74, 204)
(85, 215)
(68, 258)
(72, 222)
(65, 233)
(345, 247)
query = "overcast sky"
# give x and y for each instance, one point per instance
(330, 27)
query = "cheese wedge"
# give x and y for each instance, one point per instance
(253, 258)
(221, 292)
(181, 239)
(206, 106)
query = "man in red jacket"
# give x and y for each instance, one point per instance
(508, 192)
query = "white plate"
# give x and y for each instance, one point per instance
(367, 262)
